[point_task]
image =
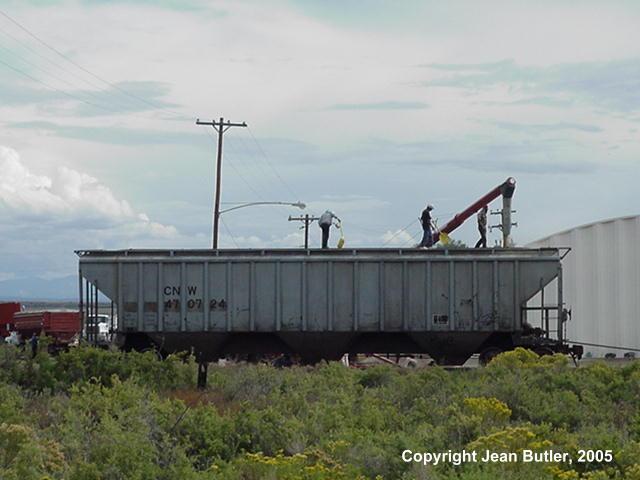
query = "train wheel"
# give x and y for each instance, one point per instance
(489, 354)
(543, 351)
(155, 351)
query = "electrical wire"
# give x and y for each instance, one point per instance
(50, 87)
(229, 232)
(238, 157)
(238, 173)
(47, 59)
(80, 67)
(629, 349)
(60, 79)
(412, 241)
(286, 185)
(398, 232)
(256, 164)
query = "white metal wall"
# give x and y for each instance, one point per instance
(601, 282)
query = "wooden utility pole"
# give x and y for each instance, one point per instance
(219, 127)
(307, 220)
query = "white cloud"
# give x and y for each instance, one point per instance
(69, 197)
(563, 104)
(399, 238)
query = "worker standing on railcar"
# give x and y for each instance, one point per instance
(482, 227)
(325, 221)
(428, 229)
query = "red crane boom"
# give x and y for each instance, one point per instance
(505, 189)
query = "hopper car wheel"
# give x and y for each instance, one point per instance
(155, 351)
(489, 354)
(543, 351)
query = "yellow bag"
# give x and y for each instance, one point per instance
(444, 238)
(341, 241)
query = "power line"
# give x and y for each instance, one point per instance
(286, 185)
(57, 65)
(230, 234)
(257, 164)
(65, 57)
(629, 349)
(220, 126)
(244, 180)
(238, 156)
(412, 240)
(50, 86)
(398, 232)
(37, 67)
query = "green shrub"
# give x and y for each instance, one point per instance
(96, 414)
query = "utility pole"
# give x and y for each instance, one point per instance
(219, 127)
(307, 220)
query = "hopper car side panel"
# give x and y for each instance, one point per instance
(447, 303)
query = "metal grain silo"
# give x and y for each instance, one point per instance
(601, 283)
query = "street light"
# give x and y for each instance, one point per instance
(300, 205)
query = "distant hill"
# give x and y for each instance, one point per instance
(65, 288)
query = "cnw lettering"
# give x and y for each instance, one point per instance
(169, 290)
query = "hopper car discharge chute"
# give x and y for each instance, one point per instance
(321, 304)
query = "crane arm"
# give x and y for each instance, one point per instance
(505, 189)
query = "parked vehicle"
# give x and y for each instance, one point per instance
(62, 326)
(7, 309)
(97, 330)
(13, 339)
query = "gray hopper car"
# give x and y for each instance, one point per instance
(321, 304)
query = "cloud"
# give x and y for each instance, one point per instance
(79, 97)
(545, 101)
(70, 198)
(399, 238)
(110, 134)
(548, 127)
(543, 156)
(127, 97)
(178, 5)
(610, 84)
(388, 105)
(346, 203)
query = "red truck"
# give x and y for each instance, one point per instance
(63, 327)
(6, 316)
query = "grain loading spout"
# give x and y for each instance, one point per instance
(505, 189)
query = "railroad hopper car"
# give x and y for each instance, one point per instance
(321, 304)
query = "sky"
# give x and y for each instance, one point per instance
(370, 109)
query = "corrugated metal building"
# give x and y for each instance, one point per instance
(601, 283)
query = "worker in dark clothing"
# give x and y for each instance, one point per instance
(482, 227)
(428, 229)
(34, 345)
(325, 221)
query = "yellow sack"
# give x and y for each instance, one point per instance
(444, 238)
(341, 241)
